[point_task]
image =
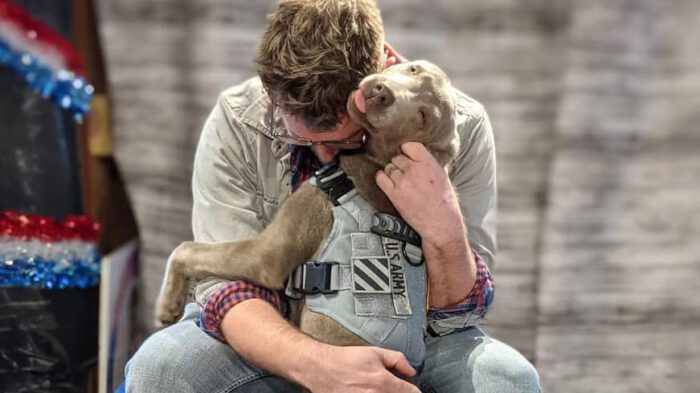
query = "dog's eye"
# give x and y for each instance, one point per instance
(424, 118)
(414, 69)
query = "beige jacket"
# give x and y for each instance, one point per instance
(242, 175)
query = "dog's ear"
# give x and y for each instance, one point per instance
(422, 118)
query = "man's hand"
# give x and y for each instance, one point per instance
(392, 57)
(422, 194)
(359, 369)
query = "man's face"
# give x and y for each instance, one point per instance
(346, 129)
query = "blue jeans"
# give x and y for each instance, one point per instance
(182, 358)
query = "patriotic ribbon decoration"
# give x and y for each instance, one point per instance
(38, 251)
(47, 61)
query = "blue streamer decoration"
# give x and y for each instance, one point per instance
(50, 274)
(63, 87)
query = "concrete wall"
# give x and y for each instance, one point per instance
(619, 269)
(594, 108)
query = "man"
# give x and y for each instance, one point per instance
(251, 153)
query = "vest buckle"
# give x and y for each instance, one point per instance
(315, 278)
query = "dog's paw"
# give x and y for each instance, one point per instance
(168, 311)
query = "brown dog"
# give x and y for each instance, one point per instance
(408, 102)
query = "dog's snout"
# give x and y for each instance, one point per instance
(379, 94)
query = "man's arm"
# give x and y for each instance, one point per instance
(256, 330)
(225, 207)
(422, 193)
(441, 211)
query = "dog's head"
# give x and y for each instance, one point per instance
(407, 102)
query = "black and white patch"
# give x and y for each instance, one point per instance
(371, 275)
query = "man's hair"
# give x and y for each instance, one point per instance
(313, 53)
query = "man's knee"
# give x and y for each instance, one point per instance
(170, 363)
(503, 369)
(150, 367)
(523, 376)
(180, 358)
(184, 359)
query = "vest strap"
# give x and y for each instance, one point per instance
(332, 180)
(394, 227)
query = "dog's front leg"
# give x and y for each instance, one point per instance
(173, 293)
(293, 237)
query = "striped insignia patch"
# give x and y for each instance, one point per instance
(371, 275)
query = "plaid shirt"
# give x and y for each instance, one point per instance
(460, 316)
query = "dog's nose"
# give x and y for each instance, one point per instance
(379, 95)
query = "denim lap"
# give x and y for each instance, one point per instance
(182, 358)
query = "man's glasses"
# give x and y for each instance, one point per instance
(348, 143)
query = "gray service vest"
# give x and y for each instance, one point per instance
(375, 286)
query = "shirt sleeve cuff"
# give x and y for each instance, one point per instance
(469, 311)
(227, 297)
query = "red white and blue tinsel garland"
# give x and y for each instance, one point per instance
(40, 252)
(46, 61)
